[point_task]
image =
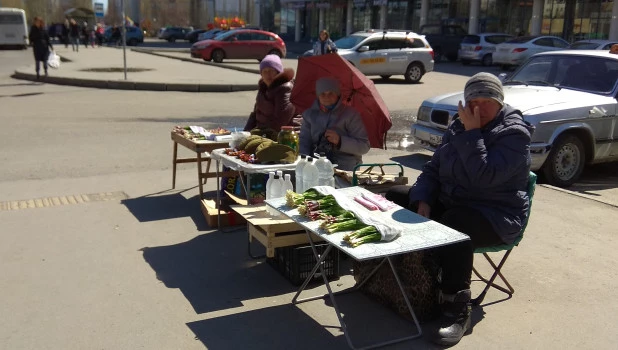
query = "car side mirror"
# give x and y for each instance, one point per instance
(364, 48)
(502, 77)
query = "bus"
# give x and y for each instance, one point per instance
(13, 27)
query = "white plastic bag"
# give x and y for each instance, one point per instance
(53, 60)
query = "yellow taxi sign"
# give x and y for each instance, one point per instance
(373, 60)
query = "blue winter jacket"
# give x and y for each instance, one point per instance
(485, 169)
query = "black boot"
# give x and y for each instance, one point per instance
(455, 319)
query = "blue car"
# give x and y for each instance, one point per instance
(134, 35)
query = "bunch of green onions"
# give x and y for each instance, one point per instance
(294, 199)
(363, 235)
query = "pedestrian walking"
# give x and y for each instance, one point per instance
(324, 45)
(85, 34)
(74, 35)
(41, 45)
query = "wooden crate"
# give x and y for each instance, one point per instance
(271, 232)
(228, 218)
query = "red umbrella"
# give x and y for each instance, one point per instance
(357, 91)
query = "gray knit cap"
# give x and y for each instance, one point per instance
(327, 84)
(484, 85)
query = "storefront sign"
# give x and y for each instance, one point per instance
(296, 5)
(380, 2)
(322, 5)
(360, 3)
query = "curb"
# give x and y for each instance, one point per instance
(191, 60)
(135, 85)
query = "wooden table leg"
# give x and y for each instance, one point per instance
(207, 169)
(174, 165)
(199, 174)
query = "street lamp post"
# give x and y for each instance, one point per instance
(124, 40)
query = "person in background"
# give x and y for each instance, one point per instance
(41, 45)
(116, 36)
(99, 34)
(476, 183)
(273, 108)
(614, 49)
(332, 128)
(74, 35)
(324, 45)
(66, 29)
(85, 34)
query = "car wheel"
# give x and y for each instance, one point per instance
(487, 60)
(414, 73)
(565, 162)
(172, 40)
(275, 52)
(385, 77)
(218, 56)
(451, 57)
(132, 42)
(465, 62)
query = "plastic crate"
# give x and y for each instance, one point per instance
(296, 262)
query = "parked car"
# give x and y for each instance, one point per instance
(160, 33)
(172, 34)
(239, 44)
(480, 47)
(210, 34)
(387, 53)
(135, 35)
(444, 39)
(569, 96)
(592, 44)
(515, 51)
(193, 35)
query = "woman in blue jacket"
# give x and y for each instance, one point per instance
(324, 45)
(476, 183)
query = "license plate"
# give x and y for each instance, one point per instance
(435, 139)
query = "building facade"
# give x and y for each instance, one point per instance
(569, 19)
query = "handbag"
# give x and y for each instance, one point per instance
(53, 60)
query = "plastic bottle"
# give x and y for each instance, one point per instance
(271, 179)
(298, 173)
(310, 174)
(288, 185)
(326, 171)
(276, 189)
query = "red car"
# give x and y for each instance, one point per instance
(239, 44)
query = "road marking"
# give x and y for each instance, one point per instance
(62, 200)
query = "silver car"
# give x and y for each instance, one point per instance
(388, 53)
(480, 47)
(569, 96)
(515, 51)
(592, 44)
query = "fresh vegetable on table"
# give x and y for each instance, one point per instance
(352, 224)
(294, 199)
(363, 235)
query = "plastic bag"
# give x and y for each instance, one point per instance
(53, 60)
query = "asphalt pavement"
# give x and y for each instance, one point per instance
(97, 250)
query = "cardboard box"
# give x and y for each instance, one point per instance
(228, 217)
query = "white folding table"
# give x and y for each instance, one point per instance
(418, 233)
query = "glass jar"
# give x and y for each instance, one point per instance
(289, 137)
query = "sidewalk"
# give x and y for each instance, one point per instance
(162, 74)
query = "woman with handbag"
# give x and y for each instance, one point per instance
(324, 45)
(41, 45)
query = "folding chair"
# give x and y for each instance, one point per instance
(504, 247)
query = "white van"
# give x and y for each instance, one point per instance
(13, 27)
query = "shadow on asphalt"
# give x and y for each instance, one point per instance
(367, 322)
(159, 207)
(214, 272)
(414, 161)
(595, 178)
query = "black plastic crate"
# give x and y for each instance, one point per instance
(296, 262)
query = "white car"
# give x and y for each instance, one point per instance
(592, 44)
(387, 53)
(514, 52)
(480, 47)
(570, 98)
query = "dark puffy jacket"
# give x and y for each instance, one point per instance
(273, 108)
(485, 169)
(41, 44)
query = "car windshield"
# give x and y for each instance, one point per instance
(588, 73)
(349, 41)
(223, 36)
(471, 39)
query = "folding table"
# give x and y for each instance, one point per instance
(418, 233)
